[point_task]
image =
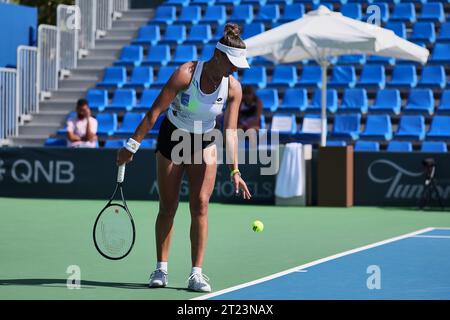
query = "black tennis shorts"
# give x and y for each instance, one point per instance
(165, 144)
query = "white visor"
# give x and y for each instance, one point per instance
(238, 57)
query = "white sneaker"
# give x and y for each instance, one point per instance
(198, 282)
(158, 279)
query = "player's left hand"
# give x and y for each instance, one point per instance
(240, 185)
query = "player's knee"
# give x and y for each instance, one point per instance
(168, 211)
(199, 205)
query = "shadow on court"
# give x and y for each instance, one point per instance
(85, 284)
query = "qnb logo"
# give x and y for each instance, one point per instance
(2, 170)
(57, 172)
(396, 189)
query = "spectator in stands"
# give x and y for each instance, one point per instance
(82, 129)
(250, 110)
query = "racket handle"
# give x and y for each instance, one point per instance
(121, 174)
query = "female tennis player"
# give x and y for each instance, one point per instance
(196, 93)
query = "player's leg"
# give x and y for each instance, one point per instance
(169, 181)
(201, 185)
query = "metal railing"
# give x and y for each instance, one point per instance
(104, 16)
(68, 24)
(8, 110)
(88, 23)
(48, 59)
(27, 82)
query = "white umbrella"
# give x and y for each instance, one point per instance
(322, 34)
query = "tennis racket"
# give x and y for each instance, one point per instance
(114, 232)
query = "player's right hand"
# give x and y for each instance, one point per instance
(123, 157)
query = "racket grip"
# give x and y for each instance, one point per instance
(121, 174)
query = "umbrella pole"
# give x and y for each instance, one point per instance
(323, 136)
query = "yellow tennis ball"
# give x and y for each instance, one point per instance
(258, 226)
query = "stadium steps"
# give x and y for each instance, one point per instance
(53, 112)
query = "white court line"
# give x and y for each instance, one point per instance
(313, 263)
(437, 237)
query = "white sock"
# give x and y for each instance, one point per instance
(162, 266)
(196, 270)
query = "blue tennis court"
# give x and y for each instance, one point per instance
(412, 266)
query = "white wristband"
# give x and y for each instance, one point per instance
(132, 145)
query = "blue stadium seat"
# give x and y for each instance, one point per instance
(444, 34)
(404, 12)
(203, 2)
(292, 12)
(131, 56)
(423, 31)
(332, 101)
(400, 146)
(372, 76)
(268, 13)
(97, 99)
(387, 100)
(255, 76)
(130, 122)
(284, 123)
(207, 52)
(311, 76)
(434, 146)
(411, 128)
(352, 59)
(157, 125)
(336, 143)
(215, 14)
(441, 53)
(142, 77)
(147, 98)
(242, 14)
(148, 35)
(444, 104)
(123, 100)
(148, 144)
(158, 55)
(184, 53)
(114, 77)
(367, 146)
(347, 126)
(378, 127)
(432, 11)
(383, 11)
(218, 34)
(381, 60)
(55, 142)
(228, 2)
(286, 2)
(284, 76)
(164, 75)
(327, 4)
(164, 15)
(404, 76)
(174, 34)
(295, 99)
(114, 144)
(343, 76)
(311, 127)
(190, 15)
(107, 124)
(420, 101)
(352, 10)
(399, 28)
(269, 98)
(440, 128)
(252, 29)
(261, 3)
(355, 100)
(199, 34)
(182, 3)
(433, 76)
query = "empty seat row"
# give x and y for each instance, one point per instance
(401, 146)
(245, 13)
(377, 127)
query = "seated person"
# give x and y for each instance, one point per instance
(82, 129)
(250, 110)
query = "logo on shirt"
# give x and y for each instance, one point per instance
(185, 99)
(219, 100)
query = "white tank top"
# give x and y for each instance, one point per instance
(193, 105)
